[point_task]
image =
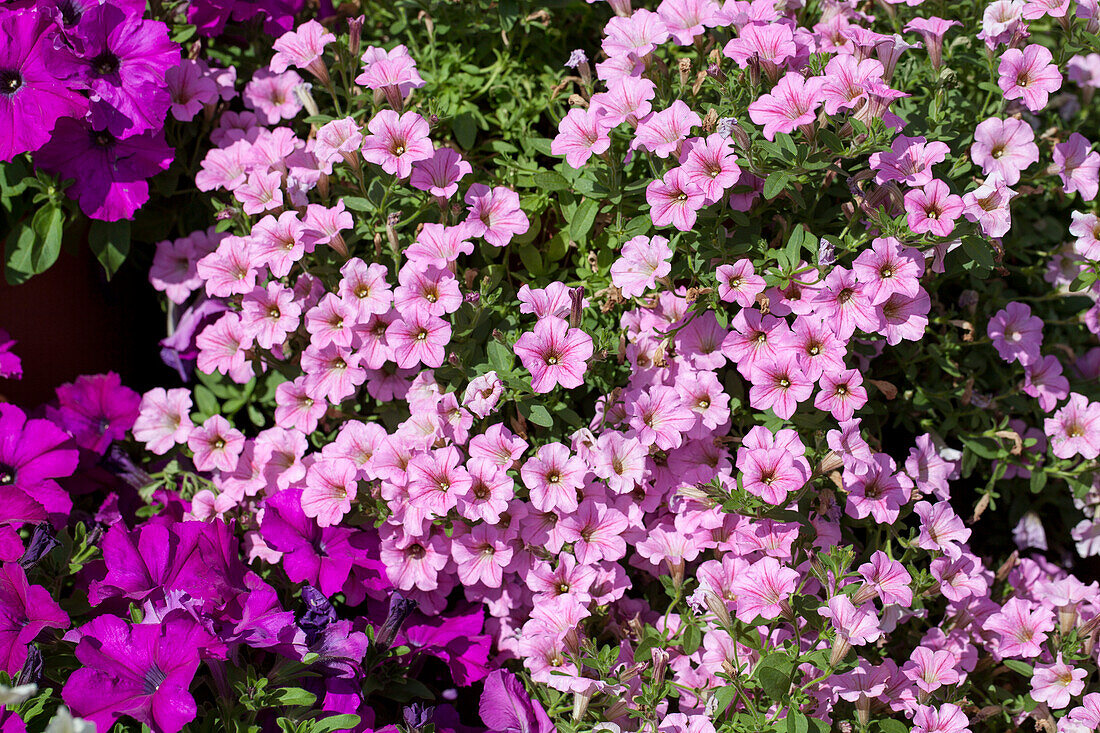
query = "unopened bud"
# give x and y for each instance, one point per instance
(355, 35)
(660, 664)
(717, 606)
(576, 310)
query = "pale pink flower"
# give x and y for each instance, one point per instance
(418, 338)
(931, 670)
(555, 354)
(674, 200)
(397, 141)
(163, 419)
(215, 444)
(330, 487)
(947, 718)
(270, 314)
(711, 165)
(1006, 147)
(302, 48)
(764, 590)
(439, 175)
(1022, 627)
(483, 393)
(338, 140)
(933, 209)
(642, 262)
(481, 556)
(1078, 166)
(272, 95)
(739, 283)
(495, 214)
(582, 133)
(1058, 683)
(662, 132)
(1029, 75)
(553, 477)
(636, 34)
(792, 102)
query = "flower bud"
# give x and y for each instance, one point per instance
(355, 35)
(42, 543)
(400, 610)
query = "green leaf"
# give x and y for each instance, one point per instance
(291, 696)
(539, 415)
(774, 675)
(500, 357)
(531, 259)
(693, 638)
(465, 130)
(357, 203)
(775, 184)
(206, 401)
(797, 722)
(583, 220)
(1038, 480)
(549, 181)
(980, 252)
(18, 246)
(110, 243)
(335, 723)
(1019, 667)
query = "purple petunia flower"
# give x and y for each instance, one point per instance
(140, 670)
(96, 410)
(122, 62)
(31, 457)
(25, 610)
(211, 16)
(32, 98)
(11, 366)
(198, 558)
(506, 706)
(111, 174)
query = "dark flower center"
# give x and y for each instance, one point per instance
(7, 474)
(10, 81)
(103, 138)
(71, 12)
(415, 551)
(105, 63)
(154, 678)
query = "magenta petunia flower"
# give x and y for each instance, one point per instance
(25, 611)
(11, 366)
(124, 60)
(1029, 75)
(791, 103)
(33, 95)
(111, 174)
(31, 457)
(96, 410)
(139, 670)
(191, 87)
(555, 354)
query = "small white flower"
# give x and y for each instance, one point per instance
(17, 694)
(64, 722)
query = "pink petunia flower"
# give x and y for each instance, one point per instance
(674, 200)
(581, 134)
(555, 354)
(792, 102)
(495, 214)
(1058, 683)
(1078, 166)
(1075, 428)
(1017, 335)
(215, 444)
(1022, 627)
(553, 477)
(739, 283)
(163, 419)
(331, 485)
(1029, 75)
(440, 174)
(418, 338)
(397, 141)
(663, 132)
(642, 262)
(1004, 147)
(933, 209)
